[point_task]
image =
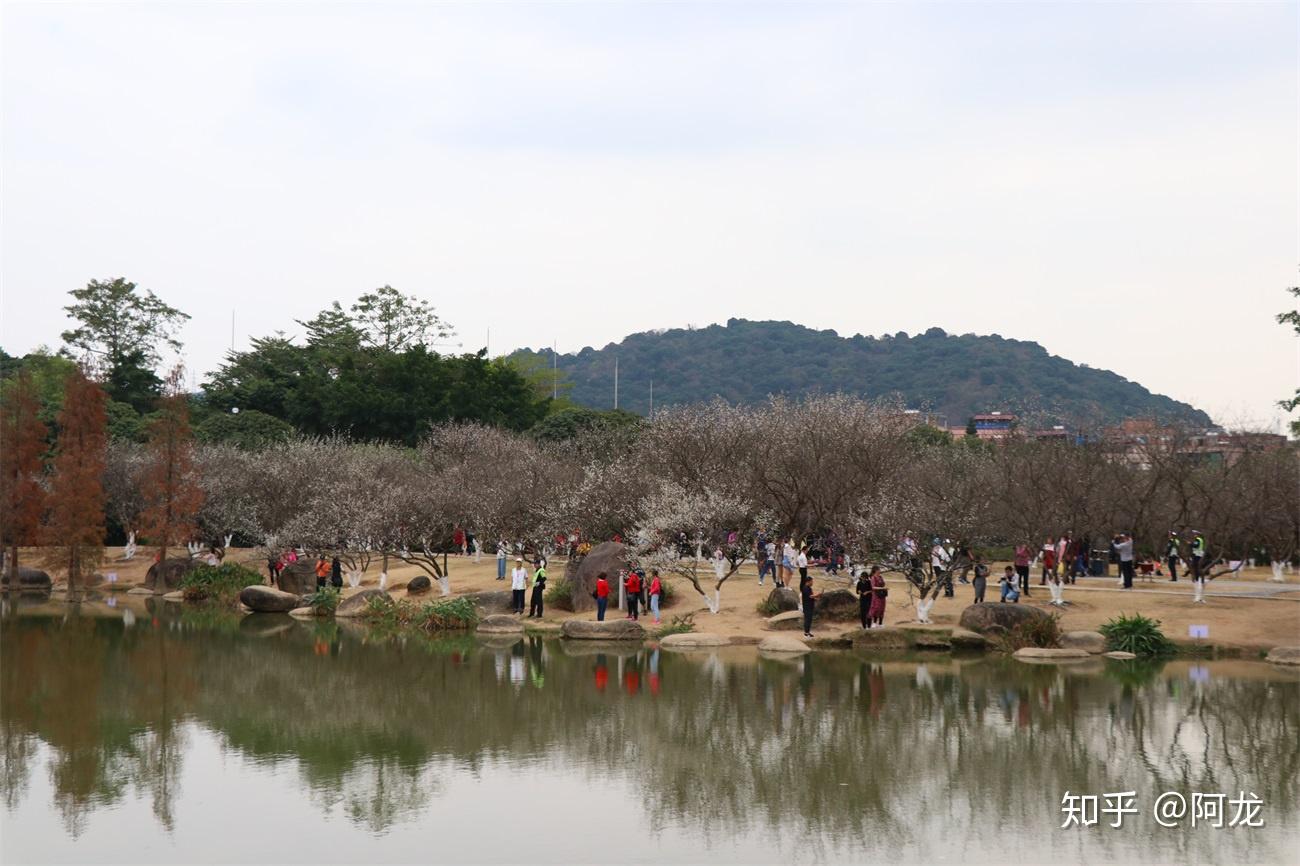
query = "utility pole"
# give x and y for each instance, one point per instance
(616, 381)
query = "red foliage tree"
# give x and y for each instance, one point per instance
(22, 447)
(75, 526)
(172, 494)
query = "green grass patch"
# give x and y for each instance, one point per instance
(324, 601)
(1042, 634)
(682, 624)
(1137, 634)
(430, 616)
(220, 583)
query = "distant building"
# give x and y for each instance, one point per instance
(994, 425)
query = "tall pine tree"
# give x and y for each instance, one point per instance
(171, 488)
(75, 527)
(22, 448)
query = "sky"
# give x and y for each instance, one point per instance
(1115, 181)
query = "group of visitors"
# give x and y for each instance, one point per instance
(520, 582)
(780, 558)
(642, 593)
(872, 593)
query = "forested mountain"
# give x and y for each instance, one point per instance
(955, 376)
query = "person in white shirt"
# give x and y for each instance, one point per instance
(939, 560)
(801, 560)
(518, 585)
(719, 564)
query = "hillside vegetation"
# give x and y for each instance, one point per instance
(956, 376)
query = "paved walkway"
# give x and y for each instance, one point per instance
(1214, 588)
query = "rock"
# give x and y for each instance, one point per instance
(298, 577)
(1119, 654)
(964, 639)
(885, 638)
(928, 637)
(266, 599)
(139, 590)
(779, 644)
(997, 616)
(692, 640)
(303, 613)
(176, 595)
(1053, 654)
(356, 605)
(1089, 641)
(588, 629)
(791, 620)
(609, 557)
(837, 605)
(542, 628)
(28, 578)
(781, 599)
(419, 584)
(1284, 655)
(500, 623)
(836, 642)
(491, 602)
(172, 570)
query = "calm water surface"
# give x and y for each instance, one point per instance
(186, 736)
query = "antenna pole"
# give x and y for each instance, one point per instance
(615, 381)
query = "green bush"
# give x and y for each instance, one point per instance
(1041, 634)
(324, 601)
(456, 613)
(1137, 634)
(680, 625)
(559, 595)
(218, 583)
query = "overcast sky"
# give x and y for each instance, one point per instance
(1117, 182)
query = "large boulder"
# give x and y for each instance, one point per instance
(28, 578)
(615, 629)
(419, 585)
(885, 638)
(694, 640)
(1000, 617)
(791, 620)
(500, 623)
(965, 639)
(356, 605)
(779, 644)
(782, 599)
(1050, 654)
(837, 605)
(265, 599)
(298, 577)
(171, 570)
(609, 557)
(1284, 655)
(1090, 641)
(928, 636)
(491, 602)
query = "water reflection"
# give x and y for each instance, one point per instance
(844, 753)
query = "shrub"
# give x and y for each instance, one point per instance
(559, 595)
(218, 583)
(456, 613)
(324, 601)
(679, 625)
(1034, 633)
(1137, 634)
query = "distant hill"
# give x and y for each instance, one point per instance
(955, 376)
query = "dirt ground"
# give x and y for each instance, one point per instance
(1254, 623)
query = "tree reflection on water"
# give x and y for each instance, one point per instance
(847, 749)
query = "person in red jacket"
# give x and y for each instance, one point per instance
(601, 595)
(633, 584)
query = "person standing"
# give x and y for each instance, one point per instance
(601, 594)
(501, 560)
(273, 566)
(633, 584)
(801, 562)
(535, 603)
(336, 574)
(458, 539)
(770, 547)
(809, 602)
(1198, 553)
(1064, 563)
(518, 586)
(879, 594)
(1171, 556)
(1023, 557)
(322, 571)
(719, 563)
(939, 560)
(1048, 558)
(863, 588)
(1124, 548)
(787, 561)
(656, 593)
(981, 579)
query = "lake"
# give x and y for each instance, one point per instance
(177, 735)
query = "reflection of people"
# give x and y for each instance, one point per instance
(602, 674)
(601, 594)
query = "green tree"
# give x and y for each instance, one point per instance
(248, 429)
(392, 321)
(124, 329)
